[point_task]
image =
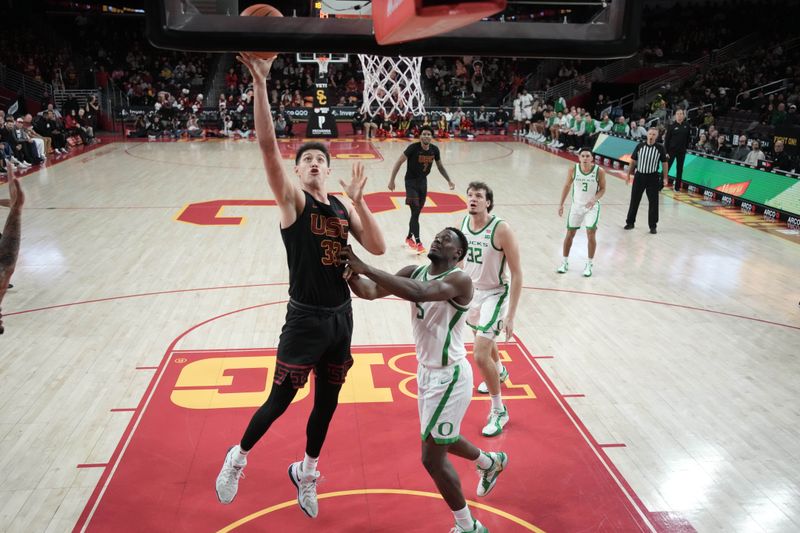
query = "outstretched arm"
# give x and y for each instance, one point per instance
(450, 183)
(369, 290)
(362, 223)
(456, 285)
(287, 195)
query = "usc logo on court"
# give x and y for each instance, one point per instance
(226, 379)
(209, 213)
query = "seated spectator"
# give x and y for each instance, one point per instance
(590, 128)
(155, 129)
(780, 159)
(442, 126)
(288, 118)
(755, 155)
(48, 127)
(639, 131)
(370, 127)
(482, 119)
(740, 152)
(74, 128)
(722, 149)
(536, 130)
(85, 124)
(139, 127)
(404, 127)
(22, 144)
(7, 136)
(499, 122)
(455, 121)
(778, 116)
(193, 128)
(43, 145)
(280, 126)
(605, 124)
(358, 122)
(621, 128)
(703, 146)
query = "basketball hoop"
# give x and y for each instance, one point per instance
(392, 85)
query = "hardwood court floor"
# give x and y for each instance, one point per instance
(683, 346)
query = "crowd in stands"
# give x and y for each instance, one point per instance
(27, 140)
(115, 54)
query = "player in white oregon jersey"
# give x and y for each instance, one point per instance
(493, 250)
(440, 294)
(588, 184)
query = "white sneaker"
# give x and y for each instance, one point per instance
(228, 478)
(588, 270)
(306, 488)
(477, 527)
(484, 389)
(563, 268)
(498, 418)
(488, 477)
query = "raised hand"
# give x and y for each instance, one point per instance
(259, 68)
(355, 189)
(14, 189)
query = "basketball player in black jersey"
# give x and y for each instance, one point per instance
(319, 320)
(420, 157)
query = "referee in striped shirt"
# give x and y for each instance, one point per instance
(645, 160)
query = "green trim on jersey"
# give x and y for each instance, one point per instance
(483, 228)
(437, 276)
(501, 269)
(578, 169)
(497, 308)
(442, 403)
(458, 306)
(494, 230)
(450, 326)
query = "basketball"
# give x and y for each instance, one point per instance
(262, 10)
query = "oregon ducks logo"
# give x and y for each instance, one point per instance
(321, 97)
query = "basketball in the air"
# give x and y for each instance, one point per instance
(262, 10)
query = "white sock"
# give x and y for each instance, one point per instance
(566, 259)
(464, 518)
(241, 455)
(497, 401)
(499, 365)
(484, 461)
(310, 464)
(589, 262)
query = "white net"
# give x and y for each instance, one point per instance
(392, 85)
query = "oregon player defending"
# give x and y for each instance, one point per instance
(439, 293)
(420, 157)
(319, 320)
(588, 183)
(492, 247)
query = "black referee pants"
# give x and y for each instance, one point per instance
(651, 184)
(679, 157)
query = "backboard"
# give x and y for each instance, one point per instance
(553, 29)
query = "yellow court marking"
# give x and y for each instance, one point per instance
(522, 391)
(402, 492)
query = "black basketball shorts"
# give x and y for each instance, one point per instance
(416, 192)
(315, 338)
